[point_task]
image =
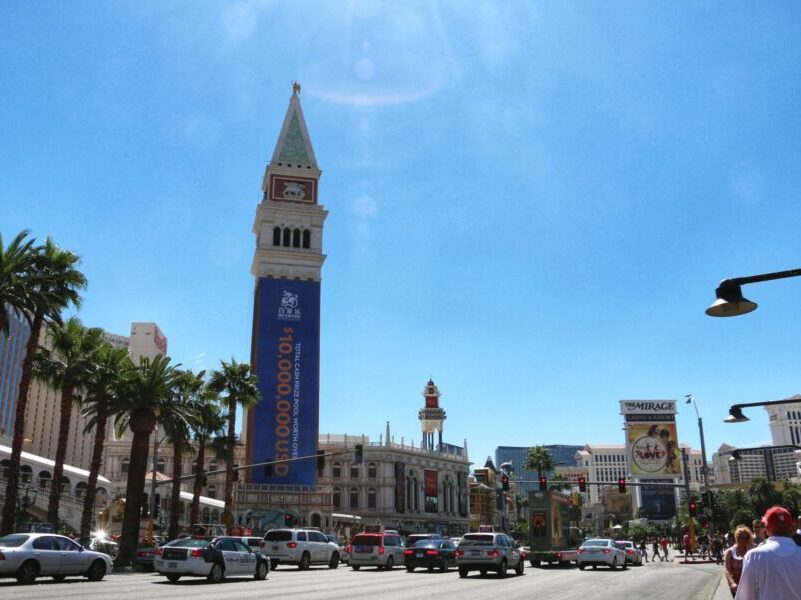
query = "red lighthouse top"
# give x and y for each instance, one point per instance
(431, 394)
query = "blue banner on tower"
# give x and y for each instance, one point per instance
(287, 362)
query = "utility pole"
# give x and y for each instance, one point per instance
(690, 521)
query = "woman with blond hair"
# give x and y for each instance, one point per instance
(733, 559)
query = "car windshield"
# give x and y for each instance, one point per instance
(427, 544)
(189, 543)
(367, 540)
(13, 541)
(594, 543)
(625, 544)
(477, 539)
(278, 536)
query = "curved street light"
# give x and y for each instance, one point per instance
(736, 410)
(729, 296)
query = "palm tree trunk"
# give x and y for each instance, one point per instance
(175, 499)
(67, 394)
(228, 513)
(12, 484)
(200, 475)
(94, 468)
(137, 470)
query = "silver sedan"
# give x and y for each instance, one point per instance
(601, 552)
(27, 556)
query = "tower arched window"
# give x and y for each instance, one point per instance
(276, 236)
(372, 471)
(337, 499)
(354, 497)
(336, 470)
(287, 237)
(296, 238)
(211, 491)
(124, 465)
(354, 471)
(306, 238)
(371, 498)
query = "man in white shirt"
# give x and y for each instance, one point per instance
(772, 570)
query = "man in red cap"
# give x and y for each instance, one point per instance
(772, 570)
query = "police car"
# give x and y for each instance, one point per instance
(214, 559)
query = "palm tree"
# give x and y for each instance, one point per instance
(49, 283)
(207, 430)
(539, 459)
(68, 367)
(147, 396)
(16, 266)
(188, 388)
(763, 495)
(240, 387)
(113, 365)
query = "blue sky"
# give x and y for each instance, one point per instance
(531, 203)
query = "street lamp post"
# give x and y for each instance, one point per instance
(704, 468)
(729, 297)
(736, 410)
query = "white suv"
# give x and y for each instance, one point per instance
(301, 547)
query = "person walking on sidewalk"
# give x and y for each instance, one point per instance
(656, 551)
(665, 543)
(717, 549)
(733, 559)
(643, 549)
(773, 569)
(688, 547)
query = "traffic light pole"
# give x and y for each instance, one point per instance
(690, 517)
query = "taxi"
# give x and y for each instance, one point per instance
(215, 559)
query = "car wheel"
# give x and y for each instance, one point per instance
(27, 573)
(520, 566)
(96, 571)
(535, 562)
(581, 567)
(273, 564)
(613, 566)
(444, 565)
(216, 573)
(305, 561)
(172, 577)
(390, 564)
(409, 569)
(462, 572)
(59, 577)
(334, 562)
(355, 567)
(261, 571)
(502, 569)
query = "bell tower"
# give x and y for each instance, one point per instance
(285, 347)
(431, 417)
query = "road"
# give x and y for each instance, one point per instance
(660, 581)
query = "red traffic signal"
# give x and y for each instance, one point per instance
(692, 507)
(543, 483)
(621, 485)
(289, 520)
(582, 481)
(505, 483)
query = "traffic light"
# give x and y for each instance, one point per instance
(543, 483)
(692, 507)
(621, 485)
(289, 520)
(358, 456)
(268, 466)
(320, 462)
(582, 481)
(505, 483)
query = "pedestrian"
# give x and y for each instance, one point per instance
(643, 549)
(733, 560)
(717, 549)
(665, 543)
(759, 531)
(773, 569)
(656, 551)
(688, 546)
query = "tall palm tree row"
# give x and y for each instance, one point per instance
(36, 282)
(68, 366)
(208, 433)
(147, 396)
(102, 390)
(239, 387)
(178, 426)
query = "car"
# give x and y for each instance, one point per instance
(567, 557)
(257, 544)
(430, 554)
(104, 545)
(144, 557)
(382, 550)
(633, 554)
(215, 559)
(26, 556)
(300, 547)
(413, 538)
(488, 551)
(601, 551)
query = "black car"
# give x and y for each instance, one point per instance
(431, 554)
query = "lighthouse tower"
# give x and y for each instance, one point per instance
(431, 417)
(285, 350)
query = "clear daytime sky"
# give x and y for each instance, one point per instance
(530, 202)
